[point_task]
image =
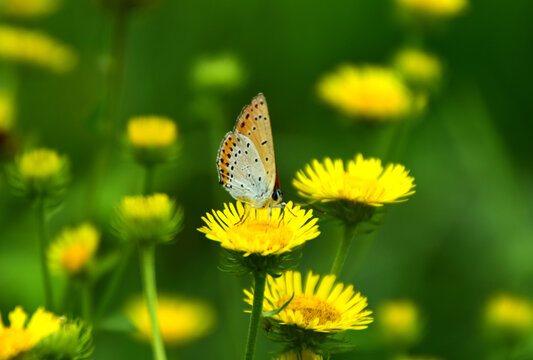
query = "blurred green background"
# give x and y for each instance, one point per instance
(466, 233)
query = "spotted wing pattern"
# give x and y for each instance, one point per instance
(254, 122)
(241, 171)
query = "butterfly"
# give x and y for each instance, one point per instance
(245, 161)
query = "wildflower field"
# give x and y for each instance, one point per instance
(266, 180)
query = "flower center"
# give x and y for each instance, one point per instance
(311, 307)
(262, 233)
(75, 257)
(360, 188)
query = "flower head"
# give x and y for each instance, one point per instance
(73, 341)
(419, 68)
(367, 92)
(28, 8)
(151, 131)
(359, 187)
(39, 172)
(509, 316)
(40, 164)
(21, 335)
(148, 219)
(73, 249)
(257, 231)
(318, 305)
(181, 320)
(399, 321)
(223, 72)
(434, 8)
(152, 139)
(36, 48)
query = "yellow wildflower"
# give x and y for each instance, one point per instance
(34, 47)
(73, 249)
(181, 320)
(151, 131)
(368, 92)
(507, 313)
(418, 67)
(21, 336)
(331, 307)
(150, 218)
(399, 321)
(40, 164)
(256, 231)
(363, 181)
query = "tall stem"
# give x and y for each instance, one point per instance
(342, 250)
(43, 242)
(257, 309)
(148, 179)
(147, 256)
(87, 300)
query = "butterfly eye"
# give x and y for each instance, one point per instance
(277, 195)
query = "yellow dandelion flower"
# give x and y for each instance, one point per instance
(40, 164)
(368, 92)
(151, 131)
(147, 208)
(363, 181)
(399, 321)
(151, 218)
(304, 355)
(28, 8)
(326, 307)
(73, 249)
(259, 232)
(181, 320)
(419, 67)
(34, 47)
(21, 336)
(507, 313)
(7, 111)
(436, 8)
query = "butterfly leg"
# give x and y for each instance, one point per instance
(269, 216)
(244, 215)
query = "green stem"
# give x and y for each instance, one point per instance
(66, 296)
(43, 242)
(257, 309)
(147, 256)
(148, 179)
(342, 250)
(114, 282)
(87, 300)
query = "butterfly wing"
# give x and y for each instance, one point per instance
(254, 122)
(241, 171)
